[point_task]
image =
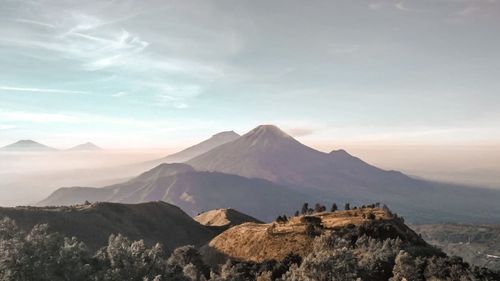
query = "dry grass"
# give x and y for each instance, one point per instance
(259, 242)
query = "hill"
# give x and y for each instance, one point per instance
(193, 191)
(88, 146)
(267, 152)
(27, 145)
(256, 242)
(93, 223)
(477, 244)
(224, 218)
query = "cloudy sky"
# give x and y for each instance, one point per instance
(162, 73)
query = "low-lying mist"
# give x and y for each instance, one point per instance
(27, 177)
(469, 165)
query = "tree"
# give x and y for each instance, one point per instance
(305, 208)
(347, 206)
(188, 258)
(334, 208)
(297, 213)
(317, 208)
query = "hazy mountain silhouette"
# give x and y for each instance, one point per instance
(266, 172)
(269, 153)
(27, 145)
(93, 223)
(88, 146)
(193, 191)
(202, 147)
(195, 150)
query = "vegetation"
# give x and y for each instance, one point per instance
(477, 244)
(372, 250)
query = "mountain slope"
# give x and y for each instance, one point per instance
(267, 152)
(153, 222)
(27, 145)
(193, 151)
(193, 191)
(88, 146)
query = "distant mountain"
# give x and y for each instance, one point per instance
(225, 217)
(193, 191)
(195, 150)
(27, 145)
(88, 146)
(202, 147)
(266, 172)
(153, 222)
(267, 152)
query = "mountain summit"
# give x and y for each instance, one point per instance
(27, 145)
(200, 148)
(85, 147)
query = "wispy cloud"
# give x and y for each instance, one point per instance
(119, 94)
(7, 127)
(343, 48)
(402, 7)
(40, 90)
(34, 22)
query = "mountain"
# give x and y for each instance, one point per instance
(193, 191)
(202, 147)
(193, 151)
(268, 153)
(88, 146)
(224, 218)
(93, 223)
(27, 145)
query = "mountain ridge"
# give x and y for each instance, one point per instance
(193, 191)
(93, 223)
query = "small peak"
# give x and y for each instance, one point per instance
(339, 151)
(226, 134)
(26, 141)
(27, 145)
(86, 146)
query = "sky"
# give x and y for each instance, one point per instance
(146, 74)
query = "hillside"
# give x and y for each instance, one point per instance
(477, 244)
(224, 217)
(193, 191)
(93, 223)
(257, 242)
